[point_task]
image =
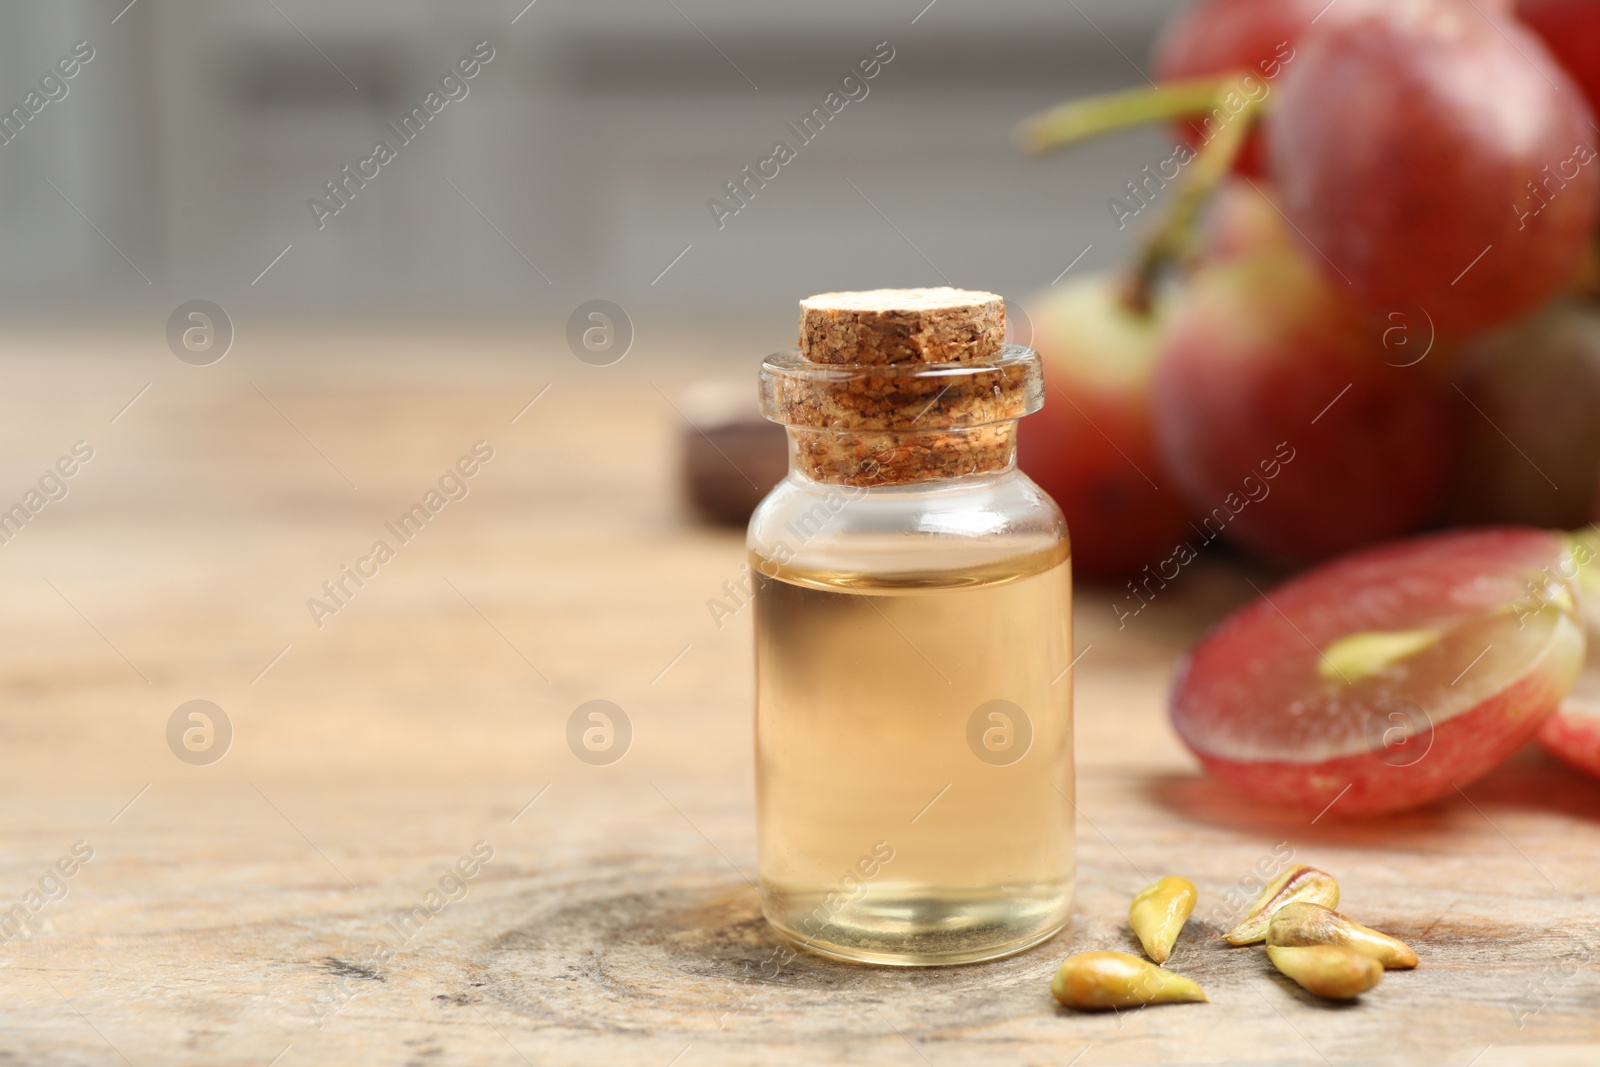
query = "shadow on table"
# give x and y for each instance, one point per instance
(1529, 781)
(654, 951)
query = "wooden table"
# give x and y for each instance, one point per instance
(272, 907)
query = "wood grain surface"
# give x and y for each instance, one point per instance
(273, 907)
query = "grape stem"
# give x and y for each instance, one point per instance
(1078, 120)
(1173, 238)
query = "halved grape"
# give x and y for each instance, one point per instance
(1385, 679)
(1572, 734)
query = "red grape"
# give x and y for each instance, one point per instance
(1241, 219)
(1385, 678)
(1220, 36)
(1434, 154)
(1280, 420)
(1254, 37)
(1571, 30)
(1531, 442)
(1092, 447)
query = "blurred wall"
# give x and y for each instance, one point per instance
(182, 158)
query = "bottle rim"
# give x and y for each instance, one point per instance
(910, 396)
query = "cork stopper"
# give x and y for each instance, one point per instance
(893, 386)
(902, 326)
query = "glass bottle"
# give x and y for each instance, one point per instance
(914, 764)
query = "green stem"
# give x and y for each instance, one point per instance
(1173, 238)
(1081, 119)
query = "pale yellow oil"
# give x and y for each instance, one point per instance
(906, 817)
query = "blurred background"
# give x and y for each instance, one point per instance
(181, 162)
(352, 358)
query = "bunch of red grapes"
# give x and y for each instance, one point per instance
(1388, 322)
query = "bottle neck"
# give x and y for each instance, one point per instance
(866, 458)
